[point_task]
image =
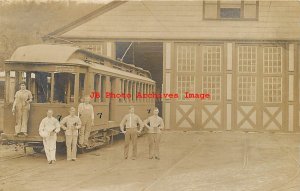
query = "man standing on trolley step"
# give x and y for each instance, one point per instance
(48, 129)
(131, 122)
(71, 124)
(154, 133)
(86, 114)
(21, 107)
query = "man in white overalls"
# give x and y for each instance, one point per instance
(21, 107)
(48, 129)
(86, 114)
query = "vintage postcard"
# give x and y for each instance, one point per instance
(149, 95)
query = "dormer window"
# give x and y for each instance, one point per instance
(230, 10)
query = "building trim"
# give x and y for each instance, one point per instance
(84, 19)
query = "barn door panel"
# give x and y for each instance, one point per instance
(212, 82)
(185, 116)
(185, 110)
(273, 88)
(247, 88)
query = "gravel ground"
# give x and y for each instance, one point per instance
(200, 161)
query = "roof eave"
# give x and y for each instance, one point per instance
(83, 19)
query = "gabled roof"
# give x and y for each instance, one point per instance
(84, 19)
(160, 20)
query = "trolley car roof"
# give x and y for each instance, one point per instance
(43, 53)
(62, 54)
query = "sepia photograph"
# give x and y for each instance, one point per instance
(150, 95)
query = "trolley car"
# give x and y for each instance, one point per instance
(59, 76)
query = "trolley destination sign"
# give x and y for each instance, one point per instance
(68, 69)
(187, 95)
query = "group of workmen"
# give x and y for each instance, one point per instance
(77, 127)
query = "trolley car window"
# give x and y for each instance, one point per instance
(81, 85)
(2, 89)
(64, 87)
(99, 87)
(39, 83)
(43, 87)
(121, 99)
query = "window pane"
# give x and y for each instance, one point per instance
(81, 85)
(186, 58)
(212, 86)
(272, 60)
(211, 59)
(247, 89)
(39, 83)
(64, 87)
(185, 83)
(43, 87)
(2, 89)
(247, 59)
(272, 89)
(230, 13)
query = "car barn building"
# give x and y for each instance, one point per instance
(243, 53)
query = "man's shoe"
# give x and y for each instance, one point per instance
(125, 157)
(133, 158)
(73, 159)
(25, 134)
(157, 158)
(50, 162)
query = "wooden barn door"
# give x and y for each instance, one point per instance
(261, 85)
(199, 69)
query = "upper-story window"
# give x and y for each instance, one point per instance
(230, 10)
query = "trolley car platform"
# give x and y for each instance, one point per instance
(201, 161)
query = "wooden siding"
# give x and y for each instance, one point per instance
(278, 20)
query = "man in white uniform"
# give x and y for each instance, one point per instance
(131, 122)
(21, 107)
(48, 129)
(71, 124)
(86, 114)
(154, 133)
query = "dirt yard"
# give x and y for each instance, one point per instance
(191, 161)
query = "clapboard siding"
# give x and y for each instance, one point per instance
(184, 20)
